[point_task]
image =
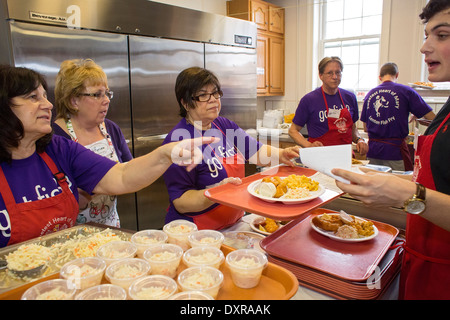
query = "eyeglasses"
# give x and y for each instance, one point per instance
(332, 73)
(207, 96)
(99, 95)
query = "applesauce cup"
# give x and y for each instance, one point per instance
(116, 250)
(123, 272)
(203, 238)
(153, 287)
(178, 232)
(203, 279)
(203, 256)
(191, 295)
(103, 292)
(164, 259)
(246, 266)
(83, 273)
(145, 238)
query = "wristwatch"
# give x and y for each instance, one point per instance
(417, 204)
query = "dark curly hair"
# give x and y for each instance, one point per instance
(15, 82)
(432, 8)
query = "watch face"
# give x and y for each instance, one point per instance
(415, 207)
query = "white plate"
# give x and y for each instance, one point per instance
(420, 86)
(258, 220)
(313, 195)
(331, 235)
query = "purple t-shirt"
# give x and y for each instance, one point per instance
(30, 179)
(386, 111)
(178, 180)
(312, 111)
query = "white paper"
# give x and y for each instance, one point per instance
(324, 159)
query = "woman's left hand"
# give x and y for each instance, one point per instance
(362, 147)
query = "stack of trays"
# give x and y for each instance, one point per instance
(344, 270)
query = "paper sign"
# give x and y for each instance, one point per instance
(324, 159)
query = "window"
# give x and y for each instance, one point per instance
(351, 30)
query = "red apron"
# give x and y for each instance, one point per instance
(223, 216)
(37, 218)
(426, 264)
(404, 150)
(339, 129)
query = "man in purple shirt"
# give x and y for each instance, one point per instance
(385, 115)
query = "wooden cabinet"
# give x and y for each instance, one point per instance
(269, 20)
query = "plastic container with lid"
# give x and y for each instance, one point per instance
(164, 259)
(178, 232)
(116, 250)
(191, 295)
(83, 273)
(202, 238)
(57, 289)
(103, 292)
(146, 238)
(246, 266)
(203, 279)
(124, 272)
(153, 287)
(203, 256)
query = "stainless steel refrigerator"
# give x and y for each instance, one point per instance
(142, 46)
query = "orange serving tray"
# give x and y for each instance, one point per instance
(277, 283)
(298, 243)
(237, 196)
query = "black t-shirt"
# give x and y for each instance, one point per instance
(440, 151)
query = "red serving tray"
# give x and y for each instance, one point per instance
(298, 243)
(238, 196)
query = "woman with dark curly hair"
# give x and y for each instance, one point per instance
(40, 174)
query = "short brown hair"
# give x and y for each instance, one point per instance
(71, 81)
(323, 63)
(432, 8)
(389, 68)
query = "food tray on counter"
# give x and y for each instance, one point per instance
(299, 244)
(277, 283)
(237, 196)
(8, 282)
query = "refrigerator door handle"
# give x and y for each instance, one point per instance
(152, 138)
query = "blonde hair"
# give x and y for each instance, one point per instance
(72, 79)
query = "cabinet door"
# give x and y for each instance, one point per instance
(276, 51)
(276, 19)
(262, 71)
(260, 14)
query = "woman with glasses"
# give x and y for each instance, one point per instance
(330, 113)
(82, 99)
(198, 93)
(41, 173)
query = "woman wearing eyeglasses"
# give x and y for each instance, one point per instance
(329, 112)
(198, 93)
(82, 100)
(41, 173)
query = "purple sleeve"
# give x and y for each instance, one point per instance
(118, 140)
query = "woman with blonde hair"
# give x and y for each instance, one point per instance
(82, 99)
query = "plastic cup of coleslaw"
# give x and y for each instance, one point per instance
(178, 232)
(164, 259)
(83, 273)
(203, 238)
(57, 289)
(191, 295)
(153, 287)
(203, 279)
(203, 256)
(103, 292)
(246, 266)
(116, 250)
(146, 238)
(123, 272)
